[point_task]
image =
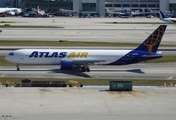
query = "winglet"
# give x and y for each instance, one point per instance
(162, 15)
(152, 43)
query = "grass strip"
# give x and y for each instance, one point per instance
(27, 26)
(91, 81)
(136, 23)
(71, 43)
(164, 59)
(6, 22)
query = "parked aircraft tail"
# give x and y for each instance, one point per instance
(152, 43)
(162, 15)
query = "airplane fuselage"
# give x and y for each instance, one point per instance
(169, 20)
(55, 56)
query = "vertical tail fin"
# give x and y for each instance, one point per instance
(162, 15)
(152, 43)
(38, 9)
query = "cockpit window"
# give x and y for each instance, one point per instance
(11, 54)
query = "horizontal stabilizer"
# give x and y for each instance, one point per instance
(151, 56)
(87, 61)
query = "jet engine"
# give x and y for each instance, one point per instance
(66, 65)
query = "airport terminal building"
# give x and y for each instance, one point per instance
(92, 6)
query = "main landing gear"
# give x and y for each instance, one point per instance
(85, 69)
(18, 68)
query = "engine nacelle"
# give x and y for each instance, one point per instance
(66, 65)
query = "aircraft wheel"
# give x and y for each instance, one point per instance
(18, 69)
(83, 69)
(88, 70)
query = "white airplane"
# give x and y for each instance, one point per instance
(10, 11)
(39, 11)
(70, 58)
(166, 19)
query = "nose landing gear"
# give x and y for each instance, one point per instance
(18, 68)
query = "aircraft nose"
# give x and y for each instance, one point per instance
(7, 58)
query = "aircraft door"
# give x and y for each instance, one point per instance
(21, 57)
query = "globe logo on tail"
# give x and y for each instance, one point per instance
(154, 38)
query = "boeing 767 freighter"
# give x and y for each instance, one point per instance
(82, 58)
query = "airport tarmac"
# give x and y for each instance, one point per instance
(97, 35)
(108, 35)
(158, 71)
(73, 22)
(76, 29)
(87, 103)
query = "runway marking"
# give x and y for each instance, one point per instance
(2, 75)
(170, 77)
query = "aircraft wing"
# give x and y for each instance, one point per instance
(6, 11)
(82, 62)
(3, 12)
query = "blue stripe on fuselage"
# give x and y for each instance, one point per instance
(135, 56)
